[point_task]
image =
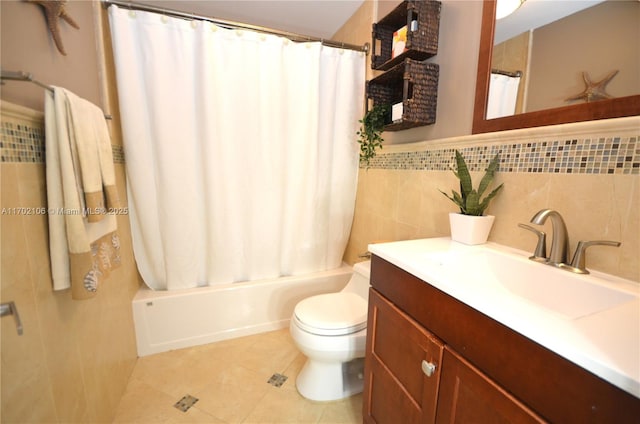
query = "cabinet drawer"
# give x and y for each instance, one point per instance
(467, 395)
(400, 353)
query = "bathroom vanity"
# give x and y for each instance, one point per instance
(469, 351)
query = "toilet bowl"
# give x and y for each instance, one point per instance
(330, 330)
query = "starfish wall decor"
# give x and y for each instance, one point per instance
(594, 90)
(54, 10)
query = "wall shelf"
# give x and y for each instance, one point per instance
(408, 79)
(413, 83)
(422, 41)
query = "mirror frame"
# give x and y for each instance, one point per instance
(603, 109)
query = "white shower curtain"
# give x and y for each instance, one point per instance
(240, 149)
(503, 95)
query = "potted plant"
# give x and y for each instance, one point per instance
(370, 130)
(471, 226)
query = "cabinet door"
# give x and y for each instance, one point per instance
(468, 396)
(402, 367)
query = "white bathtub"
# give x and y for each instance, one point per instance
(166, 320)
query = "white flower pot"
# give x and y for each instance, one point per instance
(470, 229)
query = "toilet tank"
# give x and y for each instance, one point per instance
(360, 280)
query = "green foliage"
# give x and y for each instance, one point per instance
(370, 130)
(468, 200)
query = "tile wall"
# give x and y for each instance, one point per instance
(589, 172)
(74, 359)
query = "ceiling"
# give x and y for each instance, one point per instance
(536, 13)
(316, 18)
(322, 18)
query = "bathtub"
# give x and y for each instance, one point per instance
(166, 320)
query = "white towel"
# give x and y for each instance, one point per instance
(95, 158)
(83, 242)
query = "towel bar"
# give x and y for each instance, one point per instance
(27, 76)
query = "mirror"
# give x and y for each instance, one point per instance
(575, 111)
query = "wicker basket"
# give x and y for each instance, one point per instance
(421, 43)
(415, 84)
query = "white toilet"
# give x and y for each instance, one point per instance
(331, 330)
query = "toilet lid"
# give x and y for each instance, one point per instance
(332, 314)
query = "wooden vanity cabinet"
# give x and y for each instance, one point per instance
(397, 388)
(485, 372)
(400, 354)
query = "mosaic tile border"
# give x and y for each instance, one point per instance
(24, 143)
(598, 155)
(118, 153)
(21, 143)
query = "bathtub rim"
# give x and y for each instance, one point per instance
(297, 287)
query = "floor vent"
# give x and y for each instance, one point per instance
(185, 403)
(277, 380)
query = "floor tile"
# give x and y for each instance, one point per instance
(343, 412)
(285, 406)
(144, 404)
(234, 394)
(229, 379)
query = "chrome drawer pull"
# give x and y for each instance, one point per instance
(428, 368)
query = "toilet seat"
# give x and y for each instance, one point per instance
(332, 314)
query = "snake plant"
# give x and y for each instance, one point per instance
(469, 199)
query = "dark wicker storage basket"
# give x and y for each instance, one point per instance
(421, 44)
(413, 83)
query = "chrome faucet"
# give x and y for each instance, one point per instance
(559, 252)
(560, 242)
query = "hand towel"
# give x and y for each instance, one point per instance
(83, 240)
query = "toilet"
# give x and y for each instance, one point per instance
(331, 330)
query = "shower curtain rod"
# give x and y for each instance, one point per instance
(232, 24)
(507, 73)
(27, 76)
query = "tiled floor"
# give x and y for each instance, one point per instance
(229, 378)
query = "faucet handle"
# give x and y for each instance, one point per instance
(578, 261)
(365, 255)
(540, 254)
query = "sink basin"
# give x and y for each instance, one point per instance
(562, 292)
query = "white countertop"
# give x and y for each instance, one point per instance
(606, 342)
